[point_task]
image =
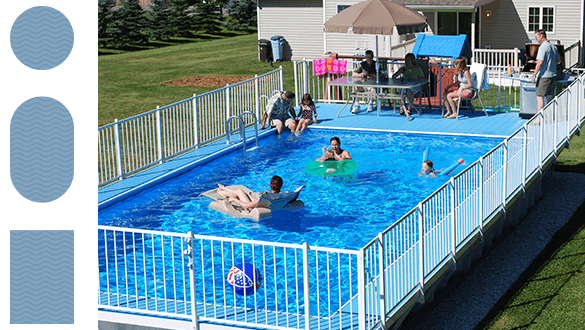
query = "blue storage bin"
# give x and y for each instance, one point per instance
(277, 47)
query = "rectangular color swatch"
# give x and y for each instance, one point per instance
(41, 277)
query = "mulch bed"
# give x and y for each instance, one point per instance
(207, 81)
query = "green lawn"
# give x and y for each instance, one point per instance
(129, 82)
(551, 293)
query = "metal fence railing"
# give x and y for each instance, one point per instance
(133, 144)
(308, 287)
(503, 94)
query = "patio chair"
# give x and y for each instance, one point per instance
(478, 79)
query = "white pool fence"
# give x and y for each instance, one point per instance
(186, 276)
(133, 144)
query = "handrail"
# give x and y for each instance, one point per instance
(242, 131)
(255, 123)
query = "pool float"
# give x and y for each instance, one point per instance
(450, 168)
(331, 167)
(267, 202)
(446, 171)
(426, 154)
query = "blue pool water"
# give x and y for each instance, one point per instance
(344, 213)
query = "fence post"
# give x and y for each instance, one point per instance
(524, 158)
(453, 238)
(256, 96)
(296, 75)
(382, 290)
(159, 135)
(195, 121)
(505, 177)
(481, 192)
(281, 79)
(306, 286)
(191, 255)
(118, 151)
(228, 108)
(540, 137)
(516, 60)
(421, 263)
(361, 289)
(305, 77)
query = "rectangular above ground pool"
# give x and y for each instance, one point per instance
(340, 212)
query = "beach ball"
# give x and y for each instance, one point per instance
(244, 278)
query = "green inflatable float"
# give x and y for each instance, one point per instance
(331, 167)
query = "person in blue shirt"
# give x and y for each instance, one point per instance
(545, 71)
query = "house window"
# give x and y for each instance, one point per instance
(342, 7)
(541, 18)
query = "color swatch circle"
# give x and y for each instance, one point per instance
(41, 38)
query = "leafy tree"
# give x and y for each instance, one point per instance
(129, 22)
(241, 14)
(105, 18)
(209, 16)
(159, 20)
(181, 20)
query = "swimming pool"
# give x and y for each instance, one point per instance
(343, 213)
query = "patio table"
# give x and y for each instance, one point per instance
(394, 87)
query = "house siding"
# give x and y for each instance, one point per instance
(299, 22)
(507, 27)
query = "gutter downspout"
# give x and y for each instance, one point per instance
(581, 48)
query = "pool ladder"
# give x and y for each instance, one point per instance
(242, 128)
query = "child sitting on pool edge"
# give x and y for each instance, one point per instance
(427, 168)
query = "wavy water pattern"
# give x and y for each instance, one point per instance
(41, 277)
(41, 149)
(41, 38)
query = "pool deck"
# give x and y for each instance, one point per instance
(497, 124)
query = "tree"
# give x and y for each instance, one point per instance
(181, 20)
(209, 16)
(129, 22)
(159, 20)
(105, 18)
(241, 14)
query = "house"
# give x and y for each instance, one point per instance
(490, 24)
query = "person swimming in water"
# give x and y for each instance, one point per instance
(338, 153)
(427, 169)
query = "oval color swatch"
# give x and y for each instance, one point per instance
(41, 149)
(41, 38)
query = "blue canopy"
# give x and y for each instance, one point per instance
(442, 46)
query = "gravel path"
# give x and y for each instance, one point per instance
(481, 288)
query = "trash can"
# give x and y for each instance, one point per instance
(277, 47)
(264, 50)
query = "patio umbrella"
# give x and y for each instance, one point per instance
(376, 17)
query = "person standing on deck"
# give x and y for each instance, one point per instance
(545, 71)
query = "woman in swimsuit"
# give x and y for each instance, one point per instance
(338, 153)
(245, 200)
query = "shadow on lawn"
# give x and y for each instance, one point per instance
(534, 308)
(187, 38)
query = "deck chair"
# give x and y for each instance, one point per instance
(479, 81)
(425, 89)
(267, 202)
